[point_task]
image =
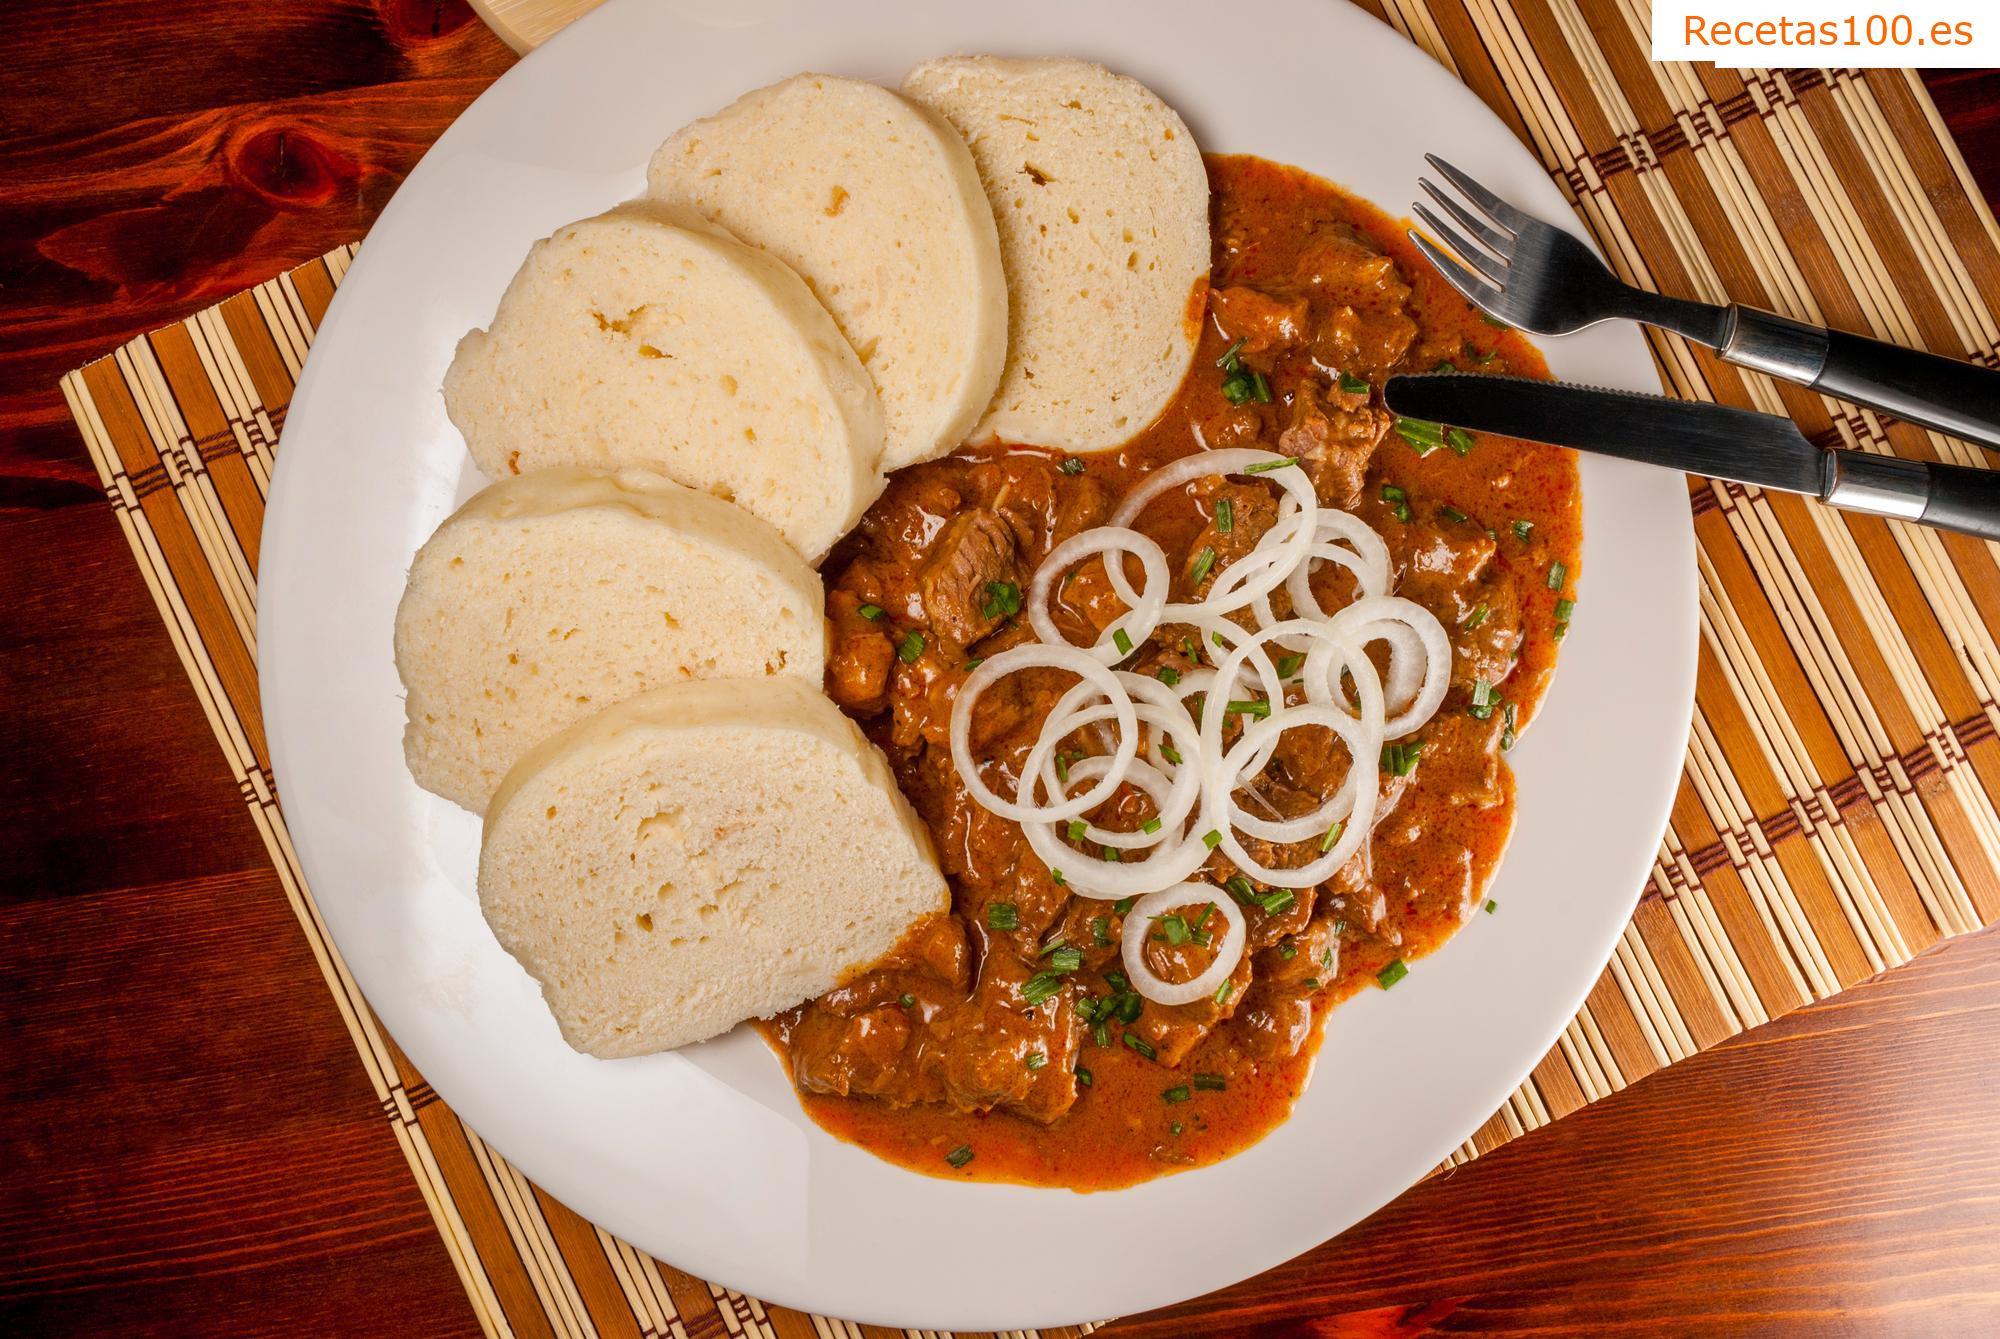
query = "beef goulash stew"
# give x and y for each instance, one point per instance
(1164, 873)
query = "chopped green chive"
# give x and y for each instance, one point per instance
(1037, 1059)
(1062, 767)
(872, 612)
(1066, 959)
(1129, 1006)
(1266, 466)
(1210, 1083)
(1172, 755)
(1401, 759)
(1071, 465)
(1141, 1045)
(1122, 906)
(1225, 516)
(1246, 384)
(1478, 615)
(1100, 929)
(1507, 735)
(907, 1000)
(1178, 1093)
(1288, 950)
(912, 646)
(1229, 362)
(1523, 529)
(1100, 1033)
(1041, 986)
(1564, 608)
(1393, 973)
(1423, 436)
(1311, 983)
(1446, 366)
(1204, 563)
(1109, 853)
(1152, 824)
(1077, 827)
(1207, 910)
(1002, 916)
(1057, 876)
(1259, 709)
(1167, 675)
(1122, 640)
(1290, 665)
(1083, 1077)
(1278, 902)
(975, 662)
(1224, 991)
(959, 1156)
(1173, 929)
(1353, 385)
(1452, 514)
(1484, 699)
(1326, 843)
(1558, 574)
(1211, 839)
(1398, 500)
(1003, 599)
(1491, 906)
(1459, 440)
(1494, 321)
(1239, 888)
(1217, 638)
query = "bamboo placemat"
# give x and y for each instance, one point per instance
(1837, 814)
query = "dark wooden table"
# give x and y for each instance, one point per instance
(187, 1143)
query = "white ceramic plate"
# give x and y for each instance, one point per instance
(703, 1157)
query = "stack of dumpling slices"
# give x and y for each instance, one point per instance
(615, 651)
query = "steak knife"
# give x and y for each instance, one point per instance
(1740, 445)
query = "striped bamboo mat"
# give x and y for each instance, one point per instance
(1837, 813)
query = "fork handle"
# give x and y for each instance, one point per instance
(1954, 397)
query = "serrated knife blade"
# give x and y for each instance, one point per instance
(1715, 440)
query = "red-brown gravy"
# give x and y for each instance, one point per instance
(935, 1059)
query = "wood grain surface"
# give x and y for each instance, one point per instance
(187, 1145)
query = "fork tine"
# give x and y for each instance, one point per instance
(1496, 208)
(1499, 243)
(1483, 296)
(1467, 252)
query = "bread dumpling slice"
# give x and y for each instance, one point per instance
(648, 336)
(876, 203)
(1101, 200)
(551, 596)
(700, 855)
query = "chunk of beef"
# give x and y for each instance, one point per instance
(1277, 1015)
(1238, 515)
(1263, 321)
(1333, 446)
(863, 660)
(987, 1054)
(869, 1053)
(1238, 425)
(1449, 567)
(1362, 343)
(976, 553)
(1339, 261)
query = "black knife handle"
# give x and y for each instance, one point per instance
(1955, 397)
(1963, 499)
(1950, 497)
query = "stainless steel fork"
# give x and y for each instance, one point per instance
(1542, 280)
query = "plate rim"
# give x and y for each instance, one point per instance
(275, 617)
